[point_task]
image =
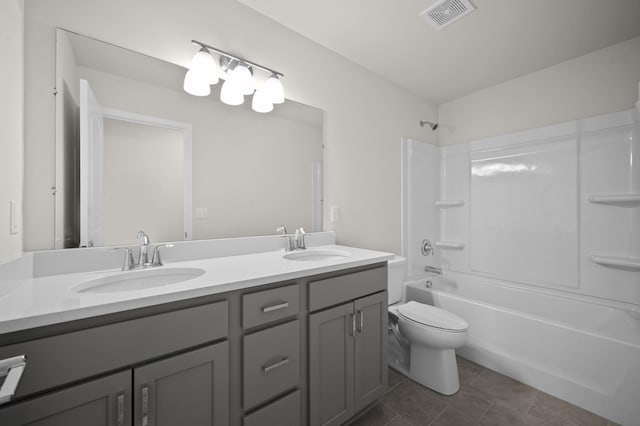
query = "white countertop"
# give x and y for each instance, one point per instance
(35, 302)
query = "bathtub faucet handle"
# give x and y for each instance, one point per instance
(426, 248)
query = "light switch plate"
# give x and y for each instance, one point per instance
(202, 213)
(14, 224)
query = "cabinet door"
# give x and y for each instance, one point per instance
(105, 401)
(189, 389)
(370, 349)
(331, 356)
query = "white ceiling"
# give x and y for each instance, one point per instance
(499, 41)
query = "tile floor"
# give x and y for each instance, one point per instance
(485, 398)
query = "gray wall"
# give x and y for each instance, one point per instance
(597, 83)
(11, 120)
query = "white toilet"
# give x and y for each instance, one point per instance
(423, 338)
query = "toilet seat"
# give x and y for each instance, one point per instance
(432, 316)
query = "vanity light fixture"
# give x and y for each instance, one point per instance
(238, 75)
(203, 73)
(274, 88)
(261, 101)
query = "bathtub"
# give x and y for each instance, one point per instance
(581, 350)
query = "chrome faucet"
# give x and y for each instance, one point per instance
(294, 241)
(143, 259)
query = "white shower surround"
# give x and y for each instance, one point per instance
(532, 211)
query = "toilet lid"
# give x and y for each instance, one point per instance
(432, 316)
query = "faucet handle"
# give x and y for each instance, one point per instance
(290, 245)
(156, 261)
(299, 238)
(143, 238)
(426, 248)
(128, 257)
(282, 229)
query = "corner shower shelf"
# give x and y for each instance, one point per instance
(449, 203)
(453, 245)
(618, 262)
(622, 200)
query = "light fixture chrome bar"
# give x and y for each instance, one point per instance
(237, 58)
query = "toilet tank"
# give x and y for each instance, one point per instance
(395, 278)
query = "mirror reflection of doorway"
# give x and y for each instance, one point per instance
(135, 174)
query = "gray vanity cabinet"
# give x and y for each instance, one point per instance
(331, 370)
(347, 346)
(309, 351)
(187, 389)
(370, 349)
(171, 369)
(105, 401)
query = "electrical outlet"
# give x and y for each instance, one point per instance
(202, 213)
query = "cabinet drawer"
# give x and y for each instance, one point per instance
(271, 363)
(282, 412)
(270, 305)
(336, 290)
(65, 358)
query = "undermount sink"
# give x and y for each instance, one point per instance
(316, 255)
(139, 280)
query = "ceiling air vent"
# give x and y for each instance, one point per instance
(444, 12)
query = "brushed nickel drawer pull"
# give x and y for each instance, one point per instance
(13, 369)
(145, 405)
(272, 308)
(352, 325)
(284, 361)
(120, 404)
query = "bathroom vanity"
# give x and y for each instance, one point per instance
(303, 343)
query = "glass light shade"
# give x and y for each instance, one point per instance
(195, 84)
(205, 66)
(230, 94)
(261, 102)
(274, 89)
(241, 77)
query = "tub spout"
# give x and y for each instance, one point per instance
(433, 270)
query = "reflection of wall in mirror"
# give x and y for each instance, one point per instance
(142, 191)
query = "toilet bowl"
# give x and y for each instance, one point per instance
(427, 335)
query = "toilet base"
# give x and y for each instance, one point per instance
(435, 369)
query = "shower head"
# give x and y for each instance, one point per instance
(433, 126)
